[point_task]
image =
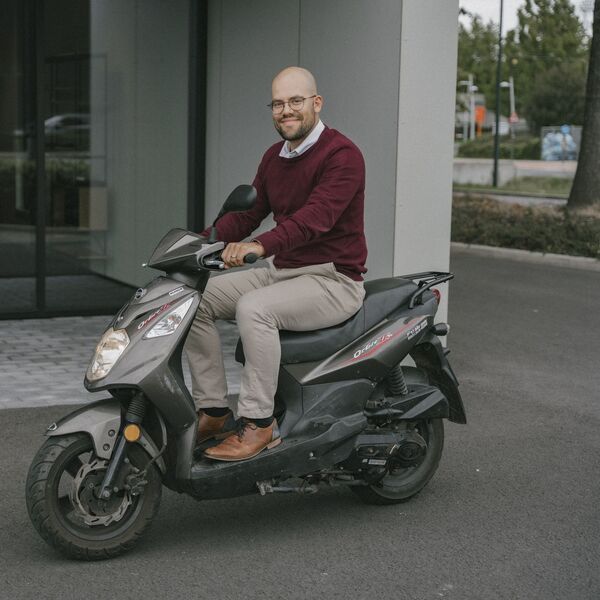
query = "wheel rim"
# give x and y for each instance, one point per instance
(82, 495)
(75, 505)
(399, 482)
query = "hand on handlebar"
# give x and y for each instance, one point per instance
(234, 253)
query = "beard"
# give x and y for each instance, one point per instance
(305, 127)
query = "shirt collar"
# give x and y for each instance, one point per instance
(311, 140)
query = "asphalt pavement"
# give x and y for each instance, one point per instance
(512, 512)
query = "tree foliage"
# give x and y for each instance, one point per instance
(546, 54)
(557, 96)
(477, 55)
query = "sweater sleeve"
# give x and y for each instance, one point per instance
(343, 176)
(235, 226)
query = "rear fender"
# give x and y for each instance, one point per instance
(424, 402)
(102, 422)
(429, 355)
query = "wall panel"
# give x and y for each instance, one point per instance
(353, 49)
(248, 43)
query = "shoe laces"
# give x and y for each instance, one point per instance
(241, 426)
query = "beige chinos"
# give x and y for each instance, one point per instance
(262, 301)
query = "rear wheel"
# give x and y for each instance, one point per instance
(403, 483)
(63, 505)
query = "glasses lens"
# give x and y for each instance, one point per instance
(276, 107)
(296, 103)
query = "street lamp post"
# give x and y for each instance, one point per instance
(471, 89)
(510, 84)
(498, 77)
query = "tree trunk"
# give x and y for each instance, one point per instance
(586, 185)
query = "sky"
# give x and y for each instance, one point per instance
(490, 10)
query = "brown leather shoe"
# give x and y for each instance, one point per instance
(248, 441)
(212, 427)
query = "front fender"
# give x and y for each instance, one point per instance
(102, 422)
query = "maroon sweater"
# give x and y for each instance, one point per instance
(317, 201)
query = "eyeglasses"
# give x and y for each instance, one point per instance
(297, 103)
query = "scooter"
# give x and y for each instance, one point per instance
(349, 413)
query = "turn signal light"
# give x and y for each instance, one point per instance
(437, 294)
(441, 329)
(132, 432)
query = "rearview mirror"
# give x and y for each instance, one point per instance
(242, 198)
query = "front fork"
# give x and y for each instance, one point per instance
(134, 416)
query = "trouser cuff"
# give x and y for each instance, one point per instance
(255, 414)
(211, 404)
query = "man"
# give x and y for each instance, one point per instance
(313, 183)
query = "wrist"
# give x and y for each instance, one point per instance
(261, 249)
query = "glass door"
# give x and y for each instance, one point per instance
(75, 159)
(18, 164)
(53, 194)
(66, 87)
(94, 139)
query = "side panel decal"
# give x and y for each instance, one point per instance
(411, 329)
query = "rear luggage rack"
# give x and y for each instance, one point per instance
(427, 279)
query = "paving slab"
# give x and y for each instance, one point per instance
(43, 361)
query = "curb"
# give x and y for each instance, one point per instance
(558, 260)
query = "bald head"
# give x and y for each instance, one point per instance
(296, 104)
(295, 78)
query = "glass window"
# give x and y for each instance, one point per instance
(113, 121)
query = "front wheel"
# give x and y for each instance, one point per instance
(64, 508)
(403, 483)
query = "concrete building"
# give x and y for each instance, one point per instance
(123, 118)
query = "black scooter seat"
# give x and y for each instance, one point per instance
(382, 297)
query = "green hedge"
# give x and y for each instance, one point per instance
(477, 220)
(521, 148)
(61, 173)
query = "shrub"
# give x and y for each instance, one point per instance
(477, 220)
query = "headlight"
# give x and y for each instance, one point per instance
(108, 351)
(170, 322)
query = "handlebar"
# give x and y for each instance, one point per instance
(215, 261)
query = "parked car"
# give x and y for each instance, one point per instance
(68, 131)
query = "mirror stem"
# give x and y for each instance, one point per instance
(221, 213)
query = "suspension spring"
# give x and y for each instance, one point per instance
(396, 382)
(137, 409)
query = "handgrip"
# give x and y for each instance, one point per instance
(251, 258)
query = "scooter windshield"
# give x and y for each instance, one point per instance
(175, 247)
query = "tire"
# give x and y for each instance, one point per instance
(406, 483)
(51, 481)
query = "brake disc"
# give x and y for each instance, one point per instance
(92, 509)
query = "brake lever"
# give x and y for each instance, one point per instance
(213, 262)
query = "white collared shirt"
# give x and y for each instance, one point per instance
(311, 140)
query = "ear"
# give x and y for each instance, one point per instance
(318, 103)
